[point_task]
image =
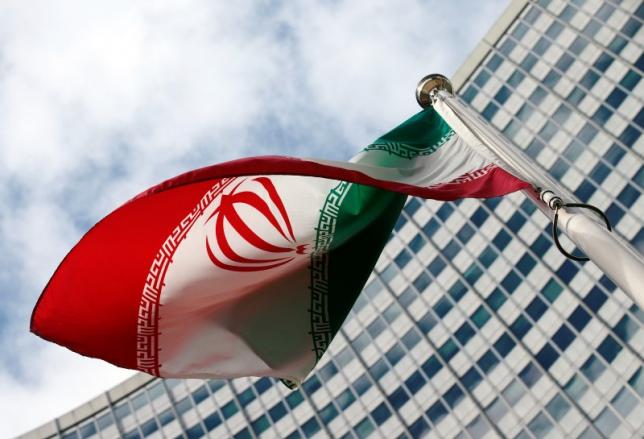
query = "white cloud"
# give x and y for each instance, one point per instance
(99, 100)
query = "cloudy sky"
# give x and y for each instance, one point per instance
(100, 100)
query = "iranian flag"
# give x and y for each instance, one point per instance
(248, 268)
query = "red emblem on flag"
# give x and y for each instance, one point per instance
(231, 228)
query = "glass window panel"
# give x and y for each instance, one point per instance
(607, 422)
(558, 407)
(624, 402)
(88, 429)
(212, 421)
(166, 416)
(328, 413)
(540, 425)
(381, 413)
(504, 345)
(149, 427)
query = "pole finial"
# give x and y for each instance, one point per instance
(429, 83)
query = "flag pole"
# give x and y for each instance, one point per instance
(591, 233)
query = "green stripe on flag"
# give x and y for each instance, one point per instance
(420, 135)
(354, 226)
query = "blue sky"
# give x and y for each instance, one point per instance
(100, 100)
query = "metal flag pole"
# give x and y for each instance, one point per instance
(592, 234)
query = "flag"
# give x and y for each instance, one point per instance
(248, 268)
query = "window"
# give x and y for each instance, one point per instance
(482, 78)
(415, 382)
(540, 425)
(579, 318)
(212, 421)
(592, 368)
(277, 412)
(442, 307)
(603, 62)
(229, 409)
(630, 80)
(480, 317)
(411, 338)
(436, 412)
(547, 356)
(552, 290)
(637, 382)
(502, 95)
(260, 424)
(88, 429)
(629, 195)
(104, 421)
(515, 79)
(431, 366)
(496, 299)
(395, 354)
(149, 427)
(471, 379)
(488, 256)
(378, 369)
(312, 384)
(328, 413)
(631, 27)
(520, 327)
(122, 410)
(398, 398)
(513, 392)
(502, 239)
(609, 348)
(504, 345)
(362, 384)
(422, 281)
(200, 394)
(494, 62)
(607, 422)
(563, 337)
(381, 413)
(595, 299)
(448, 350)
(470, 94)
(294, 399)
(166, 416)
(624, 402)
(511, 281)
(599, 173)
(626, 328)
(558, 407)
(526, 264)
(488, 361)
(472, 274)
(567, 271)
(530, 375)
(243, 434)
(554, 30)
(183, 406)
(419, 428)
(602, 114)
(454, 395)
(407, 297)
(426, 323)
(528, 62)
(536, 309)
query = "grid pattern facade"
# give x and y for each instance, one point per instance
(473, 324)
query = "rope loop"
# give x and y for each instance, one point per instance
(555, 236)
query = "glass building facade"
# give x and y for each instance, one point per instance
(473, 324)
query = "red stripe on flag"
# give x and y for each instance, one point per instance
(494, 183)
(92, 302)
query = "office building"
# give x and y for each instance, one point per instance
(473, 324)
